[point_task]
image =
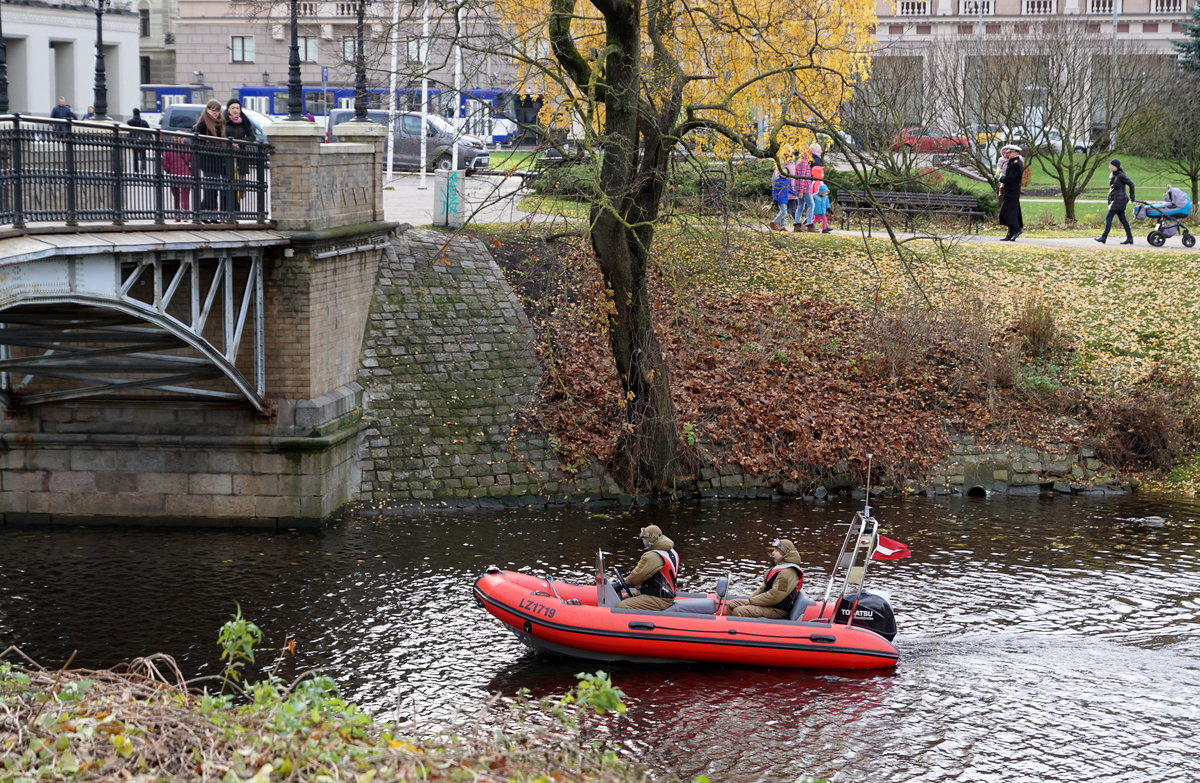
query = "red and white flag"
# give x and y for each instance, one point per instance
(889, 549)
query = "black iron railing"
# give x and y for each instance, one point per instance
(93, 174)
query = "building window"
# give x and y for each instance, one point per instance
(144, 22)
(241, 48)
(975, 7)
(308, 48)
(145, 69)
(348, 48)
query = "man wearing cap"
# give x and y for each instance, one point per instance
(1010, 193)
(781, 584)
(655, 573)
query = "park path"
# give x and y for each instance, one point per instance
(493, 199)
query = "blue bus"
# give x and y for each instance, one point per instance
(157, 97)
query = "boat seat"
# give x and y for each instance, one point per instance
(802, 603)
(692, 606)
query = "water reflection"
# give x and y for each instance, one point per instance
(1041, 639)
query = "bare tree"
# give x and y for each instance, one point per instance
(1072, 89)
(1168, 131)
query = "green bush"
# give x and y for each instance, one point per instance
(747, 182)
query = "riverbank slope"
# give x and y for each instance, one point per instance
(794, 356)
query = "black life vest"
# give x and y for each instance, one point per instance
(662, 584)
(790, 600)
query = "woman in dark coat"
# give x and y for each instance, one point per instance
(213, 157)
(1010, 193)
(238, 127)
(1118, 180)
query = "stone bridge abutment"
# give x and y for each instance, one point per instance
(267, 376)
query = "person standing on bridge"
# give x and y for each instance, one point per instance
(1010, 193)
(139, 139)
(214, 163)
(62, 111)
(1118, 181)
(238, 127)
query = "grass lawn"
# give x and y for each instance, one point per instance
(1123, 312)
(506, 160)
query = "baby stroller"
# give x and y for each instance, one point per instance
(1169, 215)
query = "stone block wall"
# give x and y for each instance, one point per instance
(186, 464)
(447, 365)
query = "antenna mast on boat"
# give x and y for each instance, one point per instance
(867, 499)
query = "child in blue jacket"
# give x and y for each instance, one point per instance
(821, 208)
(781, 189)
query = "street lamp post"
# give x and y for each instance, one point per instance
(360, 69)
(3, 68)
(295, 88)
(100, 90)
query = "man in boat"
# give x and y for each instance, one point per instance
(781, 585)
(655, 572)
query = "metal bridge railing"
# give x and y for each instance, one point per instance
(64, 173)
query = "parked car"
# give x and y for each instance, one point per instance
(1050, 139)
(918, 139)
(472, 152)
(985, 134)
(183, 117)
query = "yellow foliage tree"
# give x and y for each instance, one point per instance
(632, 79)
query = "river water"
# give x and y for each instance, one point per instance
(1041, 639)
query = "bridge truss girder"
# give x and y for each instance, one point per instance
(122, 325)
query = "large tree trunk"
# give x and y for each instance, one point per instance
(649, 449)
(632, 177)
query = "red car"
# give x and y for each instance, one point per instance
(927, 140)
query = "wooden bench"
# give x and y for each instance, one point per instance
(911, 206)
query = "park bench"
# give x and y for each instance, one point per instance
(911, 206)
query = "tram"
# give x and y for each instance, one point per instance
(155, 98)
(272, 100)
(497, 116)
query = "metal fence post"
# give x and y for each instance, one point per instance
(72, 178)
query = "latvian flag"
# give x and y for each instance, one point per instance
(888, 549)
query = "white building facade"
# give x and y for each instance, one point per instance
(51, 52)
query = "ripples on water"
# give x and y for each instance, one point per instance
(1041, 639)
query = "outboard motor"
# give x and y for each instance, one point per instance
(874, 612)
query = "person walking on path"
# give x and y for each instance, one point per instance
(1010, 193)
(781, 191)
(803, 185)
(817, 169)
(1118, 180)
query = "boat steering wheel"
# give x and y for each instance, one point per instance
(622, 587)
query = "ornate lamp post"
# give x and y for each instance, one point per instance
(100, 91)
(295, 87)
(360, 69)
(3, 68)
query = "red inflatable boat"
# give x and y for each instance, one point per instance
(582, 620)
